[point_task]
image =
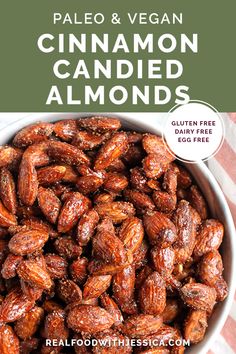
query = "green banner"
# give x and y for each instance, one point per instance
(105, 56)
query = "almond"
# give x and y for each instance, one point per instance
(154, 184)
(164, 201)
(37, 154)
(31, 292)
(197, 200)
(85, 140)
(134, 155)
(10, 265)
(29, 345)
(106, 225)
(185, 221)
(154, 144)
(117, 166)
(108, 247)
(111, 150)
(134, 137)
(60, 189)
(131, 233)
(55, 326)
(210, 268)
(35, 223)
(195, 326)
(67, 153)
(90, 319)
(154, 166)
(100, 124)
(8, 190)
(75, 205)
(184, 179)
(33, 274)
(140, 255)
(140, 200)
(67, 247)
(70, 175)
(209, 238)
(65, 129)
(171, 311)
(98, 268)
(142, 275)
(141, 325)
(163, 260)
(78, 270)
(155, 223)
(68, 291)
(27, 182)
(112, 308)
(87, 226)
(56, 266)
(221, 289)
(96, 286)
(88, 184)
(85, 170)
(103, 198)
(139, 181)
(51, 305)
(199, 296)
(50, 174)
(9, 342)
(164, 335)
(115, 182)
(210, 271)
(6, 218)
(170, 179)
(152, 295)
(49, 203)
(8, 155)
(26, 242)
(116, 211)
(27, 325)
(32, 134)
(15, 305)
(123, 289)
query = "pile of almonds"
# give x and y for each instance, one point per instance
(102, 236)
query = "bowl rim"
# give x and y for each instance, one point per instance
(137, 119)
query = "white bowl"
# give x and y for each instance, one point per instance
(206, 181)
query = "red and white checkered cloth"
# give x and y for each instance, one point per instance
(223, 167)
